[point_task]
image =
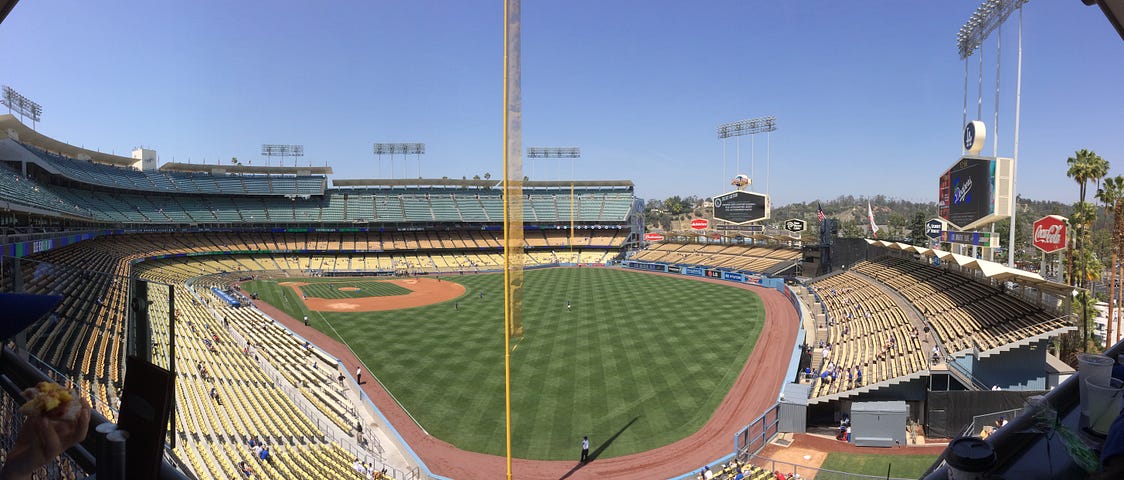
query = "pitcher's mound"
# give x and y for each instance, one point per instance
(423, 291)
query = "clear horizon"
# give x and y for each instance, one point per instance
(868, 97)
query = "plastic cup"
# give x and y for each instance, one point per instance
(1092, 366)
(1104, 403)
(969, 458)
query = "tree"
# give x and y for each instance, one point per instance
(1084, 214)
(487, 175)
(917, 230)
(1083, 167)
(476, 177)
(1110, 196)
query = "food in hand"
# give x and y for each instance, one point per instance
(51, 400)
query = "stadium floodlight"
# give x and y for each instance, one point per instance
(740, 128)
(748, 127)
(269, 150)
(392, 149)
(554, 152)
(21, 104)
(988, 17)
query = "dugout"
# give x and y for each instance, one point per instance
(878, 424)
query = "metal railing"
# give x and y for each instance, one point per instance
(979, 422)
(792, 469)
(963, 373)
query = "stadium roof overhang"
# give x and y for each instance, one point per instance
(453, 182)
(6, 7)
(991, 270)
(578, 183)
(1113, 10)
(12, 127)
(243, 169)
(412, 182)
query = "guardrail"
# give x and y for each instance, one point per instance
(790, 469)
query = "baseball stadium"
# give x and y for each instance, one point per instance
(230, 320)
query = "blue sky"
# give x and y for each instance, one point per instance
(868, 95)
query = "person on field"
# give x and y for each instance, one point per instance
(585, 449)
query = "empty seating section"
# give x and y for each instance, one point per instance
(83, 337)
(179, 182)
(864, 322)
(16, 188)
(84, 340)
(199, 198)
(966, 314)
(245, 403)
(754, 258)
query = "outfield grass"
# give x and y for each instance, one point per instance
(901, 466)
(641, 360)
(367, 288)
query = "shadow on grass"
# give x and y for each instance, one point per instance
(600, 448)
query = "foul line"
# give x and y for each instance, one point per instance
(369, 372)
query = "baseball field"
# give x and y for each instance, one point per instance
(638, 361)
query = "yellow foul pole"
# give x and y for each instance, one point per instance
(513, 202)
(572, 259)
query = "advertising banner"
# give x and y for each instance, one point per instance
(1050, 233)
(733, 276)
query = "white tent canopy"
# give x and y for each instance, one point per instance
(991, 270)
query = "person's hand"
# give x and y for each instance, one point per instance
(41, 440)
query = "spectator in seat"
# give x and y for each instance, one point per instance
(245, 469)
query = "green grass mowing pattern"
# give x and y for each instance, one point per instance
(644, 357)
(366, 289)
(901, 466)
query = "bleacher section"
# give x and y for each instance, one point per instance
(733, 257)
(84, 341)
(215, 430)
(864, 322)
(966, 314)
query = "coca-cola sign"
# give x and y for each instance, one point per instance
(1050, 233)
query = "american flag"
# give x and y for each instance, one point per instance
(819, 213)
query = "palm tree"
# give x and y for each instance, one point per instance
(1084, 214)
(1082, 169)
(1110, 195)
(1084, 166)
